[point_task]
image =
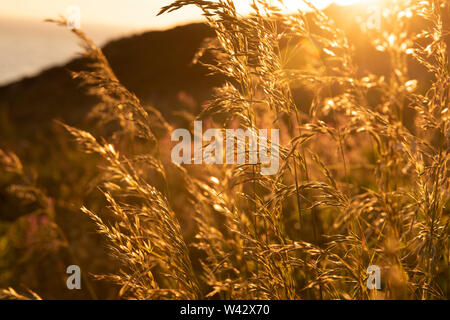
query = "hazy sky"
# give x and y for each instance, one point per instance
(135, 13)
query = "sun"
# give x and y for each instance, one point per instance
(293, 5)
(296, 4)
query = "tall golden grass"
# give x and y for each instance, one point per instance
(363, 181)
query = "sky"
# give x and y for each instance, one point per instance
(130, 13)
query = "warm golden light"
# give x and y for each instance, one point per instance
(293, 5)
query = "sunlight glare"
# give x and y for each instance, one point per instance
(293, 5)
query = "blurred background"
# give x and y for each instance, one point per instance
(28, 45)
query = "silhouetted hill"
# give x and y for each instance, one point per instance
(155, 65)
